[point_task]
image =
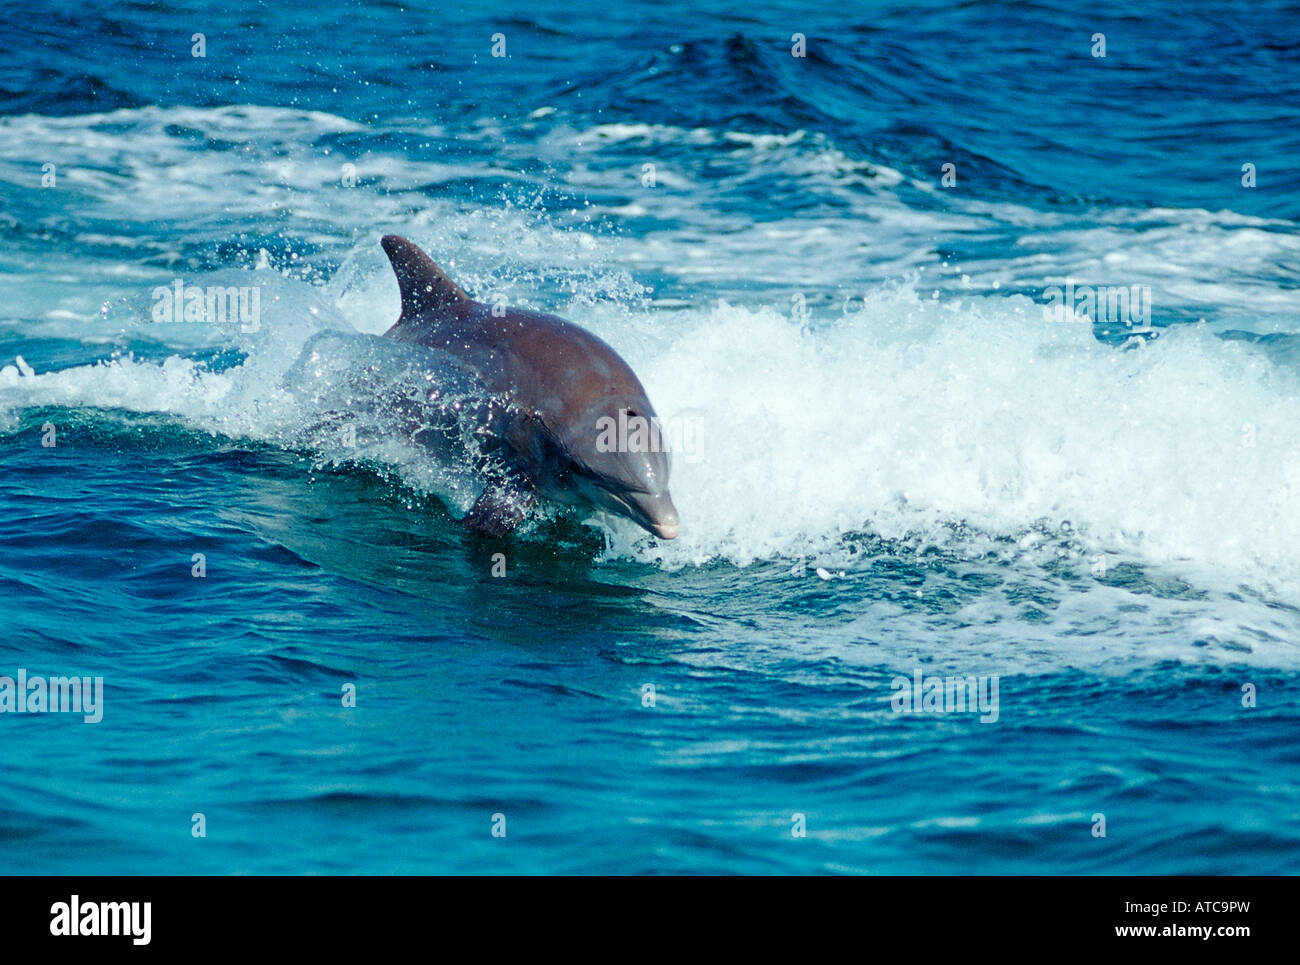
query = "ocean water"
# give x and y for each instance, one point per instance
(901, 460)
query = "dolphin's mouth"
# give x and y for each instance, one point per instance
(655, 513)
(665, 530)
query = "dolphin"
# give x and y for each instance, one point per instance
(562, 390)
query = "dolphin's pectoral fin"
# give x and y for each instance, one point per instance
(501, 507)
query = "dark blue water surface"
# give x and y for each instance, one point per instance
(904, 465)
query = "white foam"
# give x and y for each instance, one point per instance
(908, 417)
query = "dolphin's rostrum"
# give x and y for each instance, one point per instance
(561, 383)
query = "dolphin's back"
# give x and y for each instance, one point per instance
(545, 362)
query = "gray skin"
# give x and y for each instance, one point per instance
(559, 380)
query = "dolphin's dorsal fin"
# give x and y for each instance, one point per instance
(424, 286)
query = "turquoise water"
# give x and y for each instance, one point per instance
(901, 464)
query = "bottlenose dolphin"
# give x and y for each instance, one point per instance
(561, 387)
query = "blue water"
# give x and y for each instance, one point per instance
(903, 463)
